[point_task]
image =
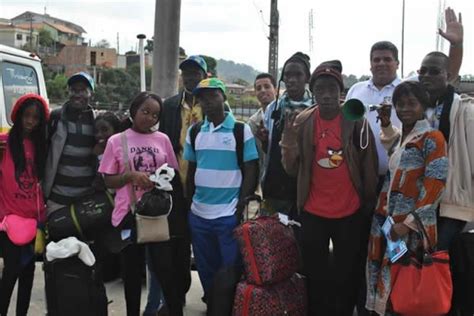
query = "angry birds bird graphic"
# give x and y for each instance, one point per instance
(333, 160)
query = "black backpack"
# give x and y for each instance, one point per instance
(238, 132)
(73, 288)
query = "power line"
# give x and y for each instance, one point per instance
(263, 23)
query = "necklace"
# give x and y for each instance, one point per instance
(323, 130)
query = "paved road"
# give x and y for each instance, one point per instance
(194, 306)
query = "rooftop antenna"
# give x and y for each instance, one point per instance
(310, 33)
(118, 43)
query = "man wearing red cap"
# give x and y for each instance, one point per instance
(336, 179)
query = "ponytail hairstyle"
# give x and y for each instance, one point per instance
(38, 137)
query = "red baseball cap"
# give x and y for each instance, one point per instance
(19, 103)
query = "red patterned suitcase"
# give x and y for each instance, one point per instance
(284, 298)
(269, 250)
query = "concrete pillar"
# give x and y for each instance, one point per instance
(166, 47)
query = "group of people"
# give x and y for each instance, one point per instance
(412, 160)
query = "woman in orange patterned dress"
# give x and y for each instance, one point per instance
(418, 169)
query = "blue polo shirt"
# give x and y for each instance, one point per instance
(218, 177)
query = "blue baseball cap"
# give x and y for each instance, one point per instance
(82, 76)
(196, 60)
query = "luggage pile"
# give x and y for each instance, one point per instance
(271, 258)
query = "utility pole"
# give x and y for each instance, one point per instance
(273, 39)
(166, 47)
(310, 33)
(31, 32)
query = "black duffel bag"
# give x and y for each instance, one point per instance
(83, 219)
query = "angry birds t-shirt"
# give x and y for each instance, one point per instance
(332, 193)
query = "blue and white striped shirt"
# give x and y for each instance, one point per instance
(218, 177)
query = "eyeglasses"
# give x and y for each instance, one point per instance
(431, 71)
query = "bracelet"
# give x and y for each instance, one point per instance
(456, 45)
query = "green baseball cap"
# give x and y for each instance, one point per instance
(209, 83)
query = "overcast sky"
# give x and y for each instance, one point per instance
(237, 29)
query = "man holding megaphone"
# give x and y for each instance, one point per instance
(336, 174)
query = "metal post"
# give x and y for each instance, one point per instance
(166, 47)
(403, 36)
(31, 32)
(141, 38)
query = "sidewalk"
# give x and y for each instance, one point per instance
(194, 306)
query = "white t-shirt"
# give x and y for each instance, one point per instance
(369, 94)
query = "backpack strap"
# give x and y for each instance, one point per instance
(239, 142)
(238, 132)
(195, 129)
(53, 123)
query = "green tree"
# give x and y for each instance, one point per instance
(149, 45)
(57, 88)
(249, 101)
(349, 81)
(45, 38)
(211, 65)
(103, 43)
(117, 86)
(134, 70)
(231, 100)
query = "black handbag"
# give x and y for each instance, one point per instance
(83, 219)
(151, 212)
(154, 203)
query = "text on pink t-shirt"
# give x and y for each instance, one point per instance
(146, 152)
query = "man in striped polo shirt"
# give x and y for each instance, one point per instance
(218, 182)
(70, 166)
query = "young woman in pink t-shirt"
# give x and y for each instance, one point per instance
(148, 150)
(21, 198)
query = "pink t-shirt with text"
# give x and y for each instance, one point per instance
(146, 152)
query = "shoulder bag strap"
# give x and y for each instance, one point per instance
(239, 142)
(131, 192)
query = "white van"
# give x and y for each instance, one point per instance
(21, 73)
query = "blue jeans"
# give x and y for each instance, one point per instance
(214, 246)
(155, 297)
